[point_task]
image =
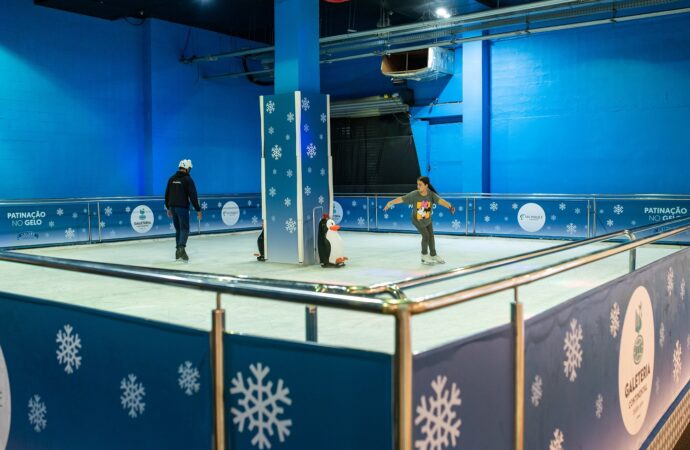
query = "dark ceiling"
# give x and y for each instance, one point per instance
(253, 19)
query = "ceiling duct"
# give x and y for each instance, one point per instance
(420, 65)
(370, 106)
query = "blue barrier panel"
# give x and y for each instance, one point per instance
(355, 213)
(463, 393)
(398, 218)
(299, 396)
(620, 214)
(28, 224)
(75, 378)
(535, 217)
(602, 368)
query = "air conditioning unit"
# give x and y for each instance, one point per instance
(419, 65)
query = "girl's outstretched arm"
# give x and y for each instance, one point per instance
(390, 204)
(442, 202)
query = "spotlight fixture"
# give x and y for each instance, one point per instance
(442, 13)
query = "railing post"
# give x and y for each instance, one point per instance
(517, 319)
(632, 258)
(311, 323)
(218, 367)
(402, 403)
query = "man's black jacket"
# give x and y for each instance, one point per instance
(180, 191)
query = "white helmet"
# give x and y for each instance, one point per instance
(185, 164)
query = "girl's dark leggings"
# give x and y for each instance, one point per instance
(427, 233)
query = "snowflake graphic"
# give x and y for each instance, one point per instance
(69, 233)
(311, 150)
(74, 215)
(321, 136)
(276, 152)
(171, 226)
(634, 222)
(557, 441)
(271, 130)
(308, 169)
(573, 350)
(440, 214)
(662, 335)
(677, 363)
(514, 206)
(537, 391)
(577, 210)
(553, 217)
(360, 221)
(189, 378)
(385, 216)
(321, 199)
(438, 418)
(260, 406)
(287, 137)
(615, 319)
(599, 406)
(493, 206)
(618, 210)
(561, 206)
(60, 212)
(669, 281)
(37, 413)
(571, 228)
(270, 107)
(289, 173)
(287, 202)
(255, 220)
(204, 206)
(275, 171)
(324, 118)
(609, 223)
(108, 211)
(306, 128)
(682, 289)
(306, 104)
(455, 224)
(51, 224)
(487, 219)
(68, 351)
(290, 225)
(290, 117)
(128, 209)
(273, 218)
(322, 172)
(307, 190)
(249, 203)
(272, 191)
(132, 397)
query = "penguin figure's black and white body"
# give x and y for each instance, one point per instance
(330, 244)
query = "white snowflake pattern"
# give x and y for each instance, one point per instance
(272, 191)
(321, 199)
(553, 217)
(609, 223)
(70, 233)
(561, 206)
(557, 441)
(276, 152)
(322, 172)
(682, 289)
(132, 397)
(618, 210)
(68, 350)
(74, 215)
(287, 137)
(514, 206)
(601, 211)
(577, 211)
(439, 420)
(204, 206)
(537, 390)
(249, 203)
(255, 220)
(662, 335)
(260, 407)
(287, 202)
(306, 128)
(60, 212)
(308, 169)
(633, 222)
(271, 130)
(571, 228)
(677, 363)
(290, 225)
(311, 150)
(599, 406)
(573, 350)
(189, 378)
(37, 413)
(385, 216)
(615, 316)
(270, 107)
(51, 224)
(669, 281)
(455, 224)
(493, 206)
(307, 190)
(324, 118)
(306, 104)
(440, 214)
(321, 137)
(128, 209)
(289, 173)
(487, 219)
(275, 171)
(360, 221)
(290, 117)
(108, 211)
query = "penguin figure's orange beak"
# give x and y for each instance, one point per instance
(334, 228)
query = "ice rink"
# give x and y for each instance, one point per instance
(374, 258)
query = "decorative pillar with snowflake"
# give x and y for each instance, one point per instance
(296, 184)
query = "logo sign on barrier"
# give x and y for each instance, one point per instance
(531, 217)
(5, 403)
(230, 213)
(337, 212)
(142, 219)
(636, 361)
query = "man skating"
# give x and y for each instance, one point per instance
(178, 194)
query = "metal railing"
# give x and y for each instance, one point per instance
(400, 307)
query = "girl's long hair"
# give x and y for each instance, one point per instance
(426, 181)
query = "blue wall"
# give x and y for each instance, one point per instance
(596, 110)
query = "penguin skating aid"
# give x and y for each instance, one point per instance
(330, 245)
